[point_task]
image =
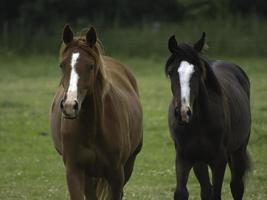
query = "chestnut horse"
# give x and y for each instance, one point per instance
(96, 119)
(209, 120)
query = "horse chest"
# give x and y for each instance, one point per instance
(197, 146)
(91, 159)
(197, 149)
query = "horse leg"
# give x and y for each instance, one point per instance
(90, 188)
(75, 181)
(116, 180)
(202, 173)
(182, 171)
(239, 161)
(218, 170)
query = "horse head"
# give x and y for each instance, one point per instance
(185, 70)
(79, 63)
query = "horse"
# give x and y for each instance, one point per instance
(96, 119)
(209, 119)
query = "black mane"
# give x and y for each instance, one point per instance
(188, 53)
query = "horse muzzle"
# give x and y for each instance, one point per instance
(183, 115)
(69, 108)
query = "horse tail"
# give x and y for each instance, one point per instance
(103, 190)
(246, 166)
(247, 162)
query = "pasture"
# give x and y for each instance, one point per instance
(31, 169)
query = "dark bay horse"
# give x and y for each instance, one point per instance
(96, 119)
(209, 120)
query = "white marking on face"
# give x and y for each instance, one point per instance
(185, 72)
(74, 77)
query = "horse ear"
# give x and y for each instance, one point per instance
(200, 43)
(67, 34)
(172, 44)
(91, 36)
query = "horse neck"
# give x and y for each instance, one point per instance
(211, 82)
(209, 90)
(203, 96)
(92, 111)
(93, 105)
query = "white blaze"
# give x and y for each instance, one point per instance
(73, 86)
(185, 72)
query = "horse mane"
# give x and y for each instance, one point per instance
(80, 42)
(210, 79)
(96, 52)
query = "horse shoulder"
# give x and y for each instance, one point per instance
(122, 109)
(120, 72)
(236, 89)
(232, 73)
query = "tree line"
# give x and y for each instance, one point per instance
(124, 12)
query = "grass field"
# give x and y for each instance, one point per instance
(31, 169)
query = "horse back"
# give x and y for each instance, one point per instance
(122, 119)
(120, 75)
(232, 71)
(236, 90)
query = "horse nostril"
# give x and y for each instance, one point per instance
(76, 105)
(62, 104)
(189, 112)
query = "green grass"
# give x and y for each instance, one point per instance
(31, 169)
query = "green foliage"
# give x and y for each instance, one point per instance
(246, 7)
(46, 12)
(31, 169)
(233, 27)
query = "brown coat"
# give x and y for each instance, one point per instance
(103, 141)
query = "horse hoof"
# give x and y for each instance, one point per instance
(181, 195)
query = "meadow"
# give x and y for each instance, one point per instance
(31, 169)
